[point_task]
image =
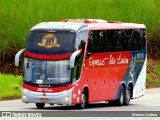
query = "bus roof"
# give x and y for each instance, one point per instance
(84, 26)
(100, 24)
(60, 26)
(114, 25)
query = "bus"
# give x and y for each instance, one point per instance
(80, 61)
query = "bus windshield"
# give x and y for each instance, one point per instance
(46, 72)
(55, 42)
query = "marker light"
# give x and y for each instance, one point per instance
(66, 91)
(24, 97)
(25, 90)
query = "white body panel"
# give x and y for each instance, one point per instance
(139, 88)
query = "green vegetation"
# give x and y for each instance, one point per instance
(153, 74)
(10, 86)
(152, 82)
(18, 16)
(157, 69)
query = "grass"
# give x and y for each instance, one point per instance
(153, 75)
(18, 16)
(152, 82)
(157, 69)
(10, 86)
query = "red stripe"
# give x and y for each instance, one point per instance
(47, 57)
(45, 89)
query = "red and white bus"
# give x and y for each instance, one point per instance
(84, 61)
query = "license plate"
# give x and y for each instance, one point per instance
(44, 99)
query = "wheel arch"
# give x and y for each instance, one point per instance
(130, 84)
(87, 92)
(123, 84)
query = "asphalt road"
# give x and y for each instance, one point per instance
(149, 102)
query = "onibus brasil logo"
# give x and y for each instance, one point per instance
(49, 41)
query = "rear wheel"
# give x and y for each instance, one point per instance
(127, 96)
(82, 105)
(120, 101)
(40, 105)
(51, 103)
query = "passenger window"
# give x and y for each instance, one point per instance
(101, 41)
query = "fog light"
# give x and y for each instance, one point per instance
(66, 98)
(24, 97)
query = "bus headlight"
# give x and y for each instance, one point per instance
(66, 98)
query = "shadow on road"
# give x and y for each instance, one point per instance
(73, 107)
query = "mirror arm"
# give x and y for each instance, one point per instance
(73, 57)
(17, 57)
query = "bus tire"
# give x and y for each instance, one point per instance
(127, 96)
(82, 105)
(51, 103)
(40, 105)
(120, 101)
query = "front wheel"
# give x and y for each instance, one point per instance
(82, 105)
(51, 104)
(40, 105)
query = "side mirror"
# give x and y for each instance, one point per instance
(17, 57)
(73, 57)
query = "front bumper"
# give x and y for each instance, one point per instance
(64, 97)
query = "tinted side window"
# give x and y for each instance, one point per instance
(142, 42)
(97, 42)
(116, 40)
(136, 39)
